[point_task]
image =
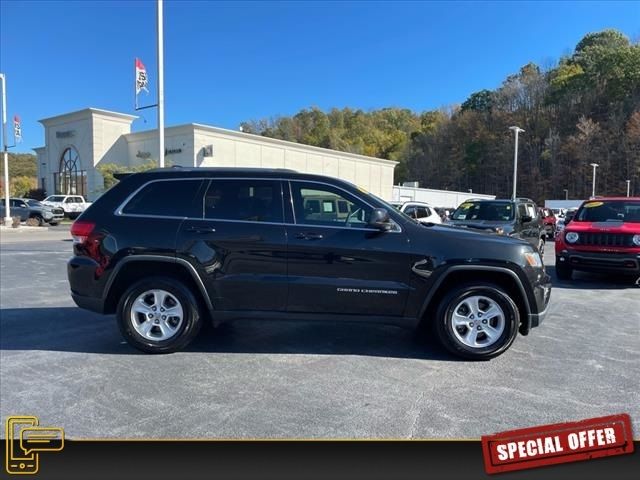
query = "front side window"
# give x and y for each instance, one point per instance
(422, 212)
(54, 198)
(244, 200)
(173, 198)
(316, 204)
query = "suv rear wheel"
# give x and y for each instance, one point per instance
(477, 321)
(158, 315)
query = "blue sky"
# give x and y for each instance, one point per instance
(229, 62)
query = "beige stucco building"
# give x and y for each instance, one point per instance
(76, 142)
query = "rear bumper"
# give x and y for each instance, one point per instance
(88, 303)
(624, 263)
(86, 290)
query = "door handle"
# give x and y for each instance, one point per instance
(309, 236)
(201, 229)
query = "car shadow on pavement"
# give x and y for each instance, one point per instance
(588, 280)
(70, 329)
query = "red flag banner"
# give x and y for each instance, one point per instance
(141, 77)
(17, 129)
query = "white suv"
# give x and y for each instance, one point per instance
(422, 212)
(73, 205)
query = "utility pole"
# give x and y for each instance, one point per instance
(515, 130)
(593, 187)
(7, 213)
(566, 194)
(160, 86)
(628, 187)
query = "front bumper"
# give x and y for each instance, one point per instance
(624, 263)
(540, 306)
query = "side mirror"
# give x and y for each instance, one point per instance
(526, 219)
(380, 219)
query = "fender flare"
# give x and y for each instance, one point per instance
(159, 258)
(480, 268)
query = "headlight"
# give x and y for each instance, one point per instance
(500, 230)
(571, 237)
(636, 240)
(533, 259)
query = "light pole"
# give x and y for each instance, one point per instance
(593, 187)
(566, 194)
(160, 86)
(516, 130)
(7, 213)
(628, 187)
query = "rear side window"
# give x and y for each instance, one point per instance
(246, 200)
(174, 198)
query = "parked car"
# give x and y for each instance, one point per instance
(603, 236)
(517, 218)
(564, 220)
(420, 211)
(548, 221)
(27, 208)
(559, 212)
(72, 205)
(240, 243)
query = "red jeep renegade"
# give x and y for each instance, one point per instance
(604, 236)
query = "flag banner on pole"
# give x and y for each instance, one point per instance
(141, 77)
(17, 129)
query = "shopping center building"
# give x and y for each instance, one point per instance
(77, 142)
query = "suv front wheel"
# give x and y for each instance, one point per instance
(158, 315)
(477, 321)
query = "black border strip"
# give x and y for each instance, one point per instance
(296, 460)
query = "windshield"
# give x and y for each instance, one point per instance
(33, 203)
(609, 210)
(54, 198)
(490, 211)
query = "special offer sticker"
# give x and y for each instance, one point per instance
(557, 443)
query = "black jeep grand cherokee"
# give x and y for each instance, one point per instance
(169, 248)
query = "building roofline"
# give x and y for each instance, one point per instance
(276, 141)
(90, 110)
(260, 138)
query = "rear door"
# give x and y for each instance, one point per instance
(336, 263)
(238, 244)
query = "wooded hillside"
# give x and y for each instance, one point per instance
(585, 109)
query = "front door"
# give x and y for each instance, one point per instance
(337, 264)
(239, 245)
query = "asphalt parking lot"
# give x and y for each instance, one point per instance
(270, 379)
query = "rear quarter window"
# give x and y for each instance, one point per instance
(173, 198)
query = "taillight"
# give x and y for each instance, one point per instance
(80, 231)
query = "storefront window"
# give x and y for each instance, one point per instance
(70, 179)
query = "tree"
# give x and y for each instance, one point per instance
(584, 109)
(108, 170)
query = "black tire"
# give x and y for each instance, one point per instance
(563, 272)
(443, 325)
(39, 219)
(187, 330)
(53, 224)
